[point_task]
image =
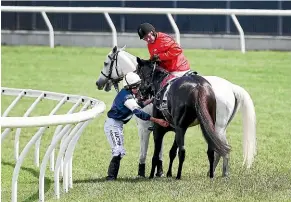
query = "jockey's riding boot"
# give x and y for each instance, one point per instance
(113, 168)
(141, 170)
(160, 171)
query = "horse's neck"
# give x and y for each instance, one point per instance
(159, 76)
(132, 59)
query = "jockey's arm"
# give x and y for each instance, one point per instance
(136, 109)
(172, 50)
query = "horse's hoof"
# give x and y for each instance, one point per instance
(225, 175)
(208, 175)
(151, 176)
(178, 177)
(110, 178)
(169, 174)
(159, 174)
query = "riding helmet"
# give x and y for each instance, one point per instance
(144, 29)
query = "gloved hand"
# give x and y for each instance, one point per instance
(155, 58)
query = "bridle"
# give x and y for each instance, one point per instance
(115, 82)
(148, 79)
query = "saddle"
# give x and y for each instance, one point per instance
(161, 98)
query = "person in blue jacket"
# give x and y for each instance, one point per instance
(122, 109)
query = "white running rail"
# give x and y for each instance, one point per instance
(166, 11)
(69, 129)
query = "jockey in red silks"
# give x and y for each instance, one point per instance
(165, 50)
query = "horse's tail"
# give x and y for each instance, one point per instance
(249, 124)
(207, 122)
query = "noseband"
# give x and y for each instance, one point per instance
(115, 82)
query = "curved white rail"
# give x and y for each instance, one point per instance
(81, 119)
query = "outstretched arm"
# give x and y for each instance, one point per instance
(136, 110)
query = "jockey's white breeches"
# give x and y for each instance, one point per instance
(114, 132)
(180, 73)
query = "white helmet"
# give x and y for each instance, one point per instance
(131, 80)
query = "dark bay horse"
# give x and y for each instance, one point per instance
(190, 101)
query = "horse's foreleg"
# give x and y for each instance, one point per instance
(144, 135)
(160, 171)
(158, 140)
(172, 155)
(180, 137)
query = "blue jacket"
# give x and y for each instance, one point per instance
(124, 106)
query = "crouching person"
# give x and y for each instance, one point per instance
(123, 108)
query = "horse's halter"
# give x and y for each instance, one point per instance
(115, 82)
(147, 78)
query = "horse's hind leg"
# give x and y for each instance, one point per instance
(216, 161)
(180, 137)
(222, 121)
(225, 166)
(172, 155)
(210, 153)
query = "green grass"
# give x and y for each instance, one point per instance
(265, 75)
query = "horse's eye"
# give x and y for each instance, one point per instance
(105, 63)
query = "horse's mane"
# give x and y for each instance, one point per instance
(162, 70)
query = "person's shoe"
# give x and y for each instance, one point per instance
(113, 168)
(141, 170)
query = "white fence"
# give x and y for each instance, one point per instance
(65, 131)
(167, 11)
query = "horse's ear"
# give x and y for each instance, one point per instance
(139, 61)
(123, 48)
(114, 49)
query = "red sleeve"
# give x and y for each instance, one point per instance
(172, 49)
(149, 52)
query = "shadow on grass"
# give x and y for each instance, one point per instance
(126, 179)
(35, 173)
